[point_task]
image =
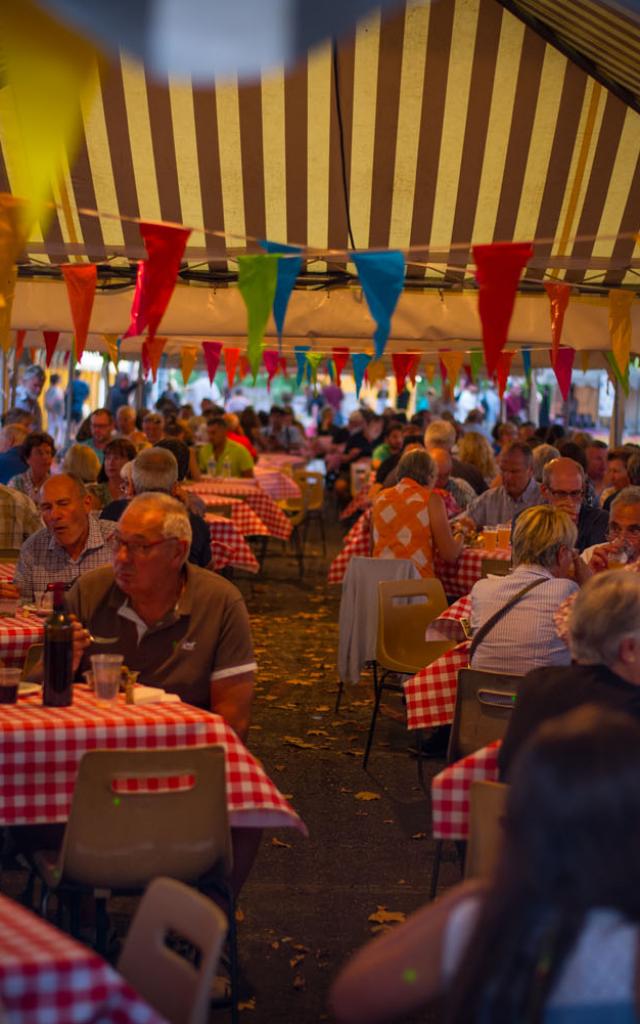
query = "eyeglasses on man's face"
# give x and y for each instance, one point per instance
(567, 495)
(135, 548)
(617, 530)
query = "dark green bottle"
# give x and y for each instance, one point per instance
(57, 691)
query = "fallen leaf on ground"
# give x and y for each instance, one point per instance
(300, 948)
(299, 982)
(278, 842)
(317, 732)
(377, 928)
(323, 707)
(390, 821)
(295, 741)
(384, 916)
(419, 835)
(295, 960)
(279, 767)
(275, 945)
(239, 916)
(248, 1004)
(366, 795)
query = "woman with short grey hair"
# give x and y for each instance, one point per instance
(547, 570)
(410, 520)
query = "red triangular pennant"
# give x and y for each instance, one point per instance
(562, 367)
(502, 371)
(401, 361)
(157, 275)
(81, 280)
(231, 356)
(50, 342)
(498, 270)
(340, 357)
(211, 351)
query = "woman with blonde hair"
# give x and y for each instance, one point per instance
(474, 449)
(513, 617)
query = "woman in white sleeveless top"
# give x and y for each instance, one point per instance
(553, 938)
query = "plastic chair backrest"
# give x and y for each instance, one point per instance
(311, 485)
(495, 567)
(172, 985)
(486, 810)
(124, 829)
(484, 702)
(34, 655)
(401, 645)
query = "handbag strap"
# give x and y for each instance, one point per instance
(491, 622)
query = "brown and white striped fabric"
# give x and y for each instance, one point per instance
(459, 124)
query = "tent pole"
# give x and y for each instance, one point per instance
(5, 380)
(616, 425)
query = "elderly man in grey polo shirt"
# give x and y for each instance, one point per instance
(517, 491)
(182, 628)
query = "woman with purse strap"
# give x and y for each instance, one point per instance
(512, 616)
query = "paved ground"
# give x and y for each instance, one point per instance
(308, 901)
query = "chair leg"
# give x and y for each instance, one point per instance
(339, 697)
(435, 871)
(377, 687)
(232, 937)
(102, 926)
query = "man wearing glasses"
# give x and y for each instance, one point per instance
(181, 627)
(622, 545)
(563, 485)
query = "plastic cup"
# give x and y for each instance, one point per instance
(489, 539)
(9, 683)
(504, 535)
(106, 676)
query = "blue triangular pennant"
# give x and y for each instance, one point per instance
(288, 270)
(382, 278)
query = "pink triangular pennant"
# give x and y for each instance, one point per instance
(270, 357)
(211, 351)
(562, 367)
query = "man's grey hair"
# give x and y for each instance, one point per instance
(606, 610)
(542, 454)
(33, 371)
(417, 465)
(175, 518)
(154, 469)
(627, 496)
(440, 434)
(547, 470)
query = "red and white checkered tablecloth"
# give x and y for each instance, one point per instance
(277, 484)
(281, 461)
(17, 634)
(7, 571)
(457, 578)
(450, 791)
(265, 508)
(228, 546)
(448, 625)
(246, 522)
(46, 977)
(431, 693)
(41, 748)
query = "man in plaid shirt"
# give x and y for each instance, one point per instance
(72, 542)
(19, 518)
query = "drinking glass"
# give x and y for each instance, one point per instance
(489, 538)
(106, 676)
(9, 682)
(504, 535)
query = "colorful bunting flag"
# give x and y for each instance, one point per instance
(244, 368)
(375, 371)
(413, 367)
(257, 280)
(47, 70)
(430, 371)
(300, 352)
(526, 364)
(20, 337)
(314, 359)
(188, 358)
(81, 280)
(360, 361)
(271, 357)
(7, 292)
(620, 327)
(13, 234)
(112, 342)
(282, 366)
(623, 379)
(288, 270)
(585, 359)
(401, 362)
(231, 357)
(211, 351)
(562, 367)
(382, 278)
(502, 371)
(340, 359)
(452, 362)
(559, 295)
(498, 270)
(152, 349)
(157, 275)
(50, 342)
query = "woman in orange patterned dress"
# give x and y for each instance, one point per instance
(410, 521)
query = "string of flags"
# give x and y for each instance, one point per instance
(266, 282)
